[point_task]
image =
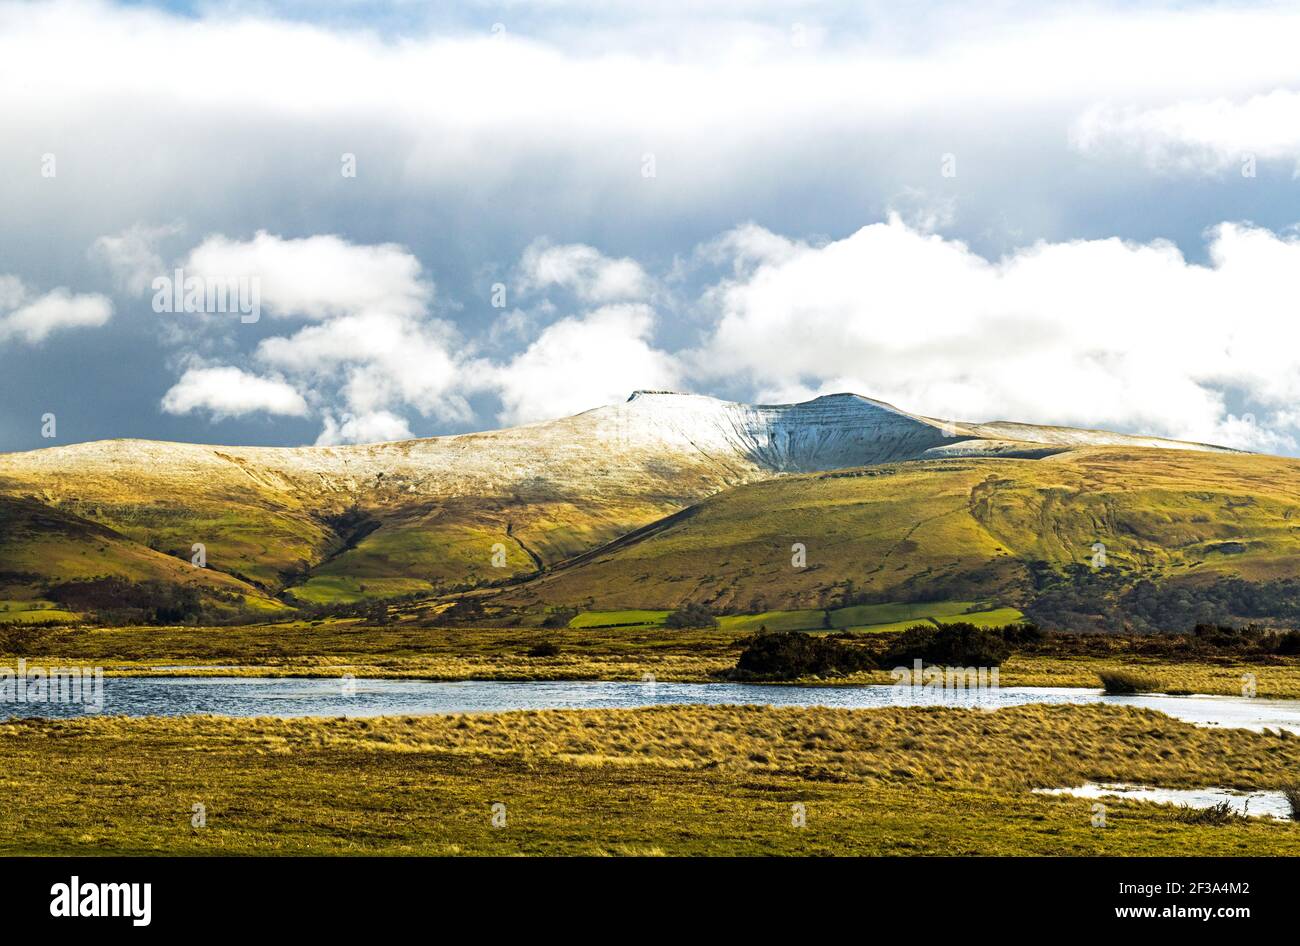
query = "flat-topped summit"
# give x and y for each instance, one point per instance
(827, 432)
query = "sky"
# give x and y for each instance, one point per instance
(451, 217)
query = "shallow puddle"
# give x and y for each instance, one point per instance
(1253, 804)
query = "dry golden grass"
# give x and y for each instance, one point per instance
(1017, 747)
(665, 780)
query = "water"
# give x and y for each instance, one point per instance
(287, 697)
(1254, 804)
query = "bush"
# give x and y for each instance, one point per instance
(691, 615)
(789, 655)
(1289, 643)
(1017, 635)
(544, 649)
(1124, 682)
(950, 645)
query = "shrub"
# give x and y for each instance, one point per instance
(1119, 682)
(1289, 643)
(544, 649)
(788, 655)
(1017, 635)
(691, 615)
(950, 645)
(1219, 814)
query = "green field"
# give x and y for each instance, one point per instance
(29, 612)
(875, 618)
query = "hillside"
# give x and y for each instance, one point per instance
(51, 553)
(350, 523)
(971, 529)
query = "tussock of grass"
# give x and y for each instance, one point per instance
(1217, 815)
(1015, 748)
(1292, 795)
(1121, 682)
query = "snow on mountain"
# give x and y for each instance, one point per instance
(666, 443)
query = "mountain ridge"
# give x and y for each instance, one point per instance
(806, 410)
(331, 524)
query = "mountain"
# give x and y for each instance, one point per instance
(991, 528)
(349, 523)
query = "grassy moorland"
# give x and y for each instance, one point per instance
(669, 780)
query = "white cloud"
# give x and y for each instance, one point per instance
(734, 113)
(317, 277)
(382, 361)
(584, 270)
(34, 319)
(374, 427)
(583, 362)
(1207, 136)
(230, 392)
(133, 256)
(1097, 333)
(1104, 333)
(12, 292)
(372, 349)
(376, 351)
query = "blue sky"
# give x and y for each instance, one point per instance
(1040, 213)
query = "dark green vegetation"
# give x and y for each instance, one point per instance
(1084, 599)
(791, 655)
(956, 645)
(670, 780)
(690, 615)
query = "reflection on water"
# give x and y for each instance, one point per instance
(272, 696)
(1254, 804)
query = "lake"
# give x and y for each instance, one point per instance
(289, 697)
